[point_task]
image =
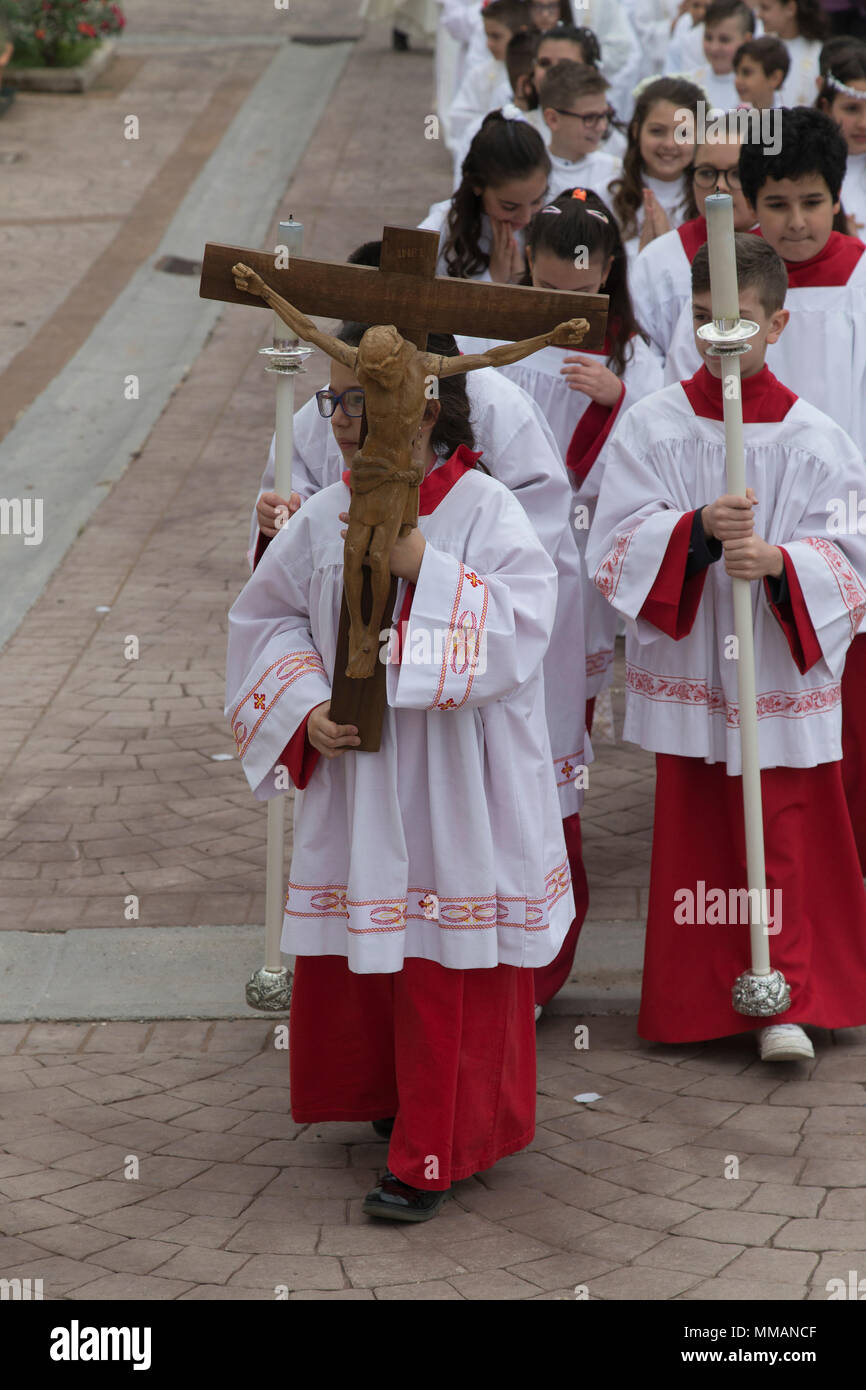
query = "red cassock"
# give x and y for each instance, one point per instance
(699, 837)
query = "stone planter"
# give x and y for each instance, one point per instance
(75, 79)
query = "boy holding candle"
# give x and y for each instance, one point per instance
(822, 357)
(666, 541)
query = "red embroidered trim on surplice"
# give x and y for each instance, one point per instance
(609, 572)
(692, 690)
(287, 670)
(850, 587)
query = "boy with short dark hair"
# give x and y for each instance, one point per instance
(760, 68)
(654, 549)
(574, 104)
(484, 84)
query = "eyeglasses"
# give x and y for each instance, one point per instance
(592, 118)
(706, 176)
(352, 401)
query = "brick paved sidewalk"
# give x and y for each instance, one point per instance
(627, 1196)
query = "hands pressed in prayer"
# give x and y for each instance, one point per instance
(328, 738)
(406, 554)
(273, 512)
(506, 257)
(655, 221)
(593, 378)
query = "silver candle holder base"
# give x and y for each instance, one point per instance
(286, 359)
(728, 337)
(761, 996)
(270, 991)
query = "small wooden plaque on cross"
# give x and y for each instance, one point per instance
(406, 293)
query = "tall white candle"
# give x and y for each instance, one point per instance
(292, 238)
(723, 260)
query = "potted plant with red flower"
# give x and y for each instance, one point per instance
(51, 35)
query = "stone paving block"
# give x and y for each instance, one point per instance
(95, 1198)
(732, 1227)
(563, 1270)
(593, 1155)
(743, 1141)
(214, 1293)
(14, 1251)
(495, 1251)
(774, 1266)
(641, 1283)
(49, 1147)
(646, 1176)
(60, 1275)
(836, 1119)
(135, 1222)
(132, 1288)
(76, 1240)
(187, 1201)
(199, 1263)
(690, 1254)
(834, 1172)
(160, 1107)
(58, 1037)
(109, 1088)
(841, 1146)
(430, 1290)
(618, 1242)
(493, 1285)
(655, 1138)
(822, 1234)
(12, 1035)
(770, 1168)
(219, 1148)
(819, 1093)
(768, 1118)
(719, 1193)
(137, 1256)
(296, 1271)
(793, 1201)
(38, 1184)
(20, 1218)
(750, 1291)
(287, 1153)
(654, 1212)
(233, 1177)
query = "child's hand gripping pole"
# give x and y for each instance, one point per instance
(760, 992)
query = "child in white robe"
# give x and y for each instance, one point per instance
(802, 26)
(511, 431)
(727, 24)
(660, 283)
(654, 192)
(430, 878)
(504, 182)
(842, 96)
(573, 102)
(760, 67)
(485, 85)
(663, 523)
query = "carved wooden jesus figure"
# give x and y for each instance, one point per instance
(384, 478)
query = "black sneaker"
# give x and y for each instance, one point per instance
(396, 1201)
(399, 41)
(383, 1128)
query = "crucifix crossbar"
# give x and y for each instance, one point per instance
(406, 293)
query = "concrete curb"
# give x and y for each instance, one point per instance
(81, 432)
(142, 973)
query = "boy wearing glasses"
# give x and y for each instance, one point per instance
(573, 102)
(660, 275)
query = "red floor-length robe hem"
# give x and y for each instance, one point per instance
(689, 970)
(449, 1053)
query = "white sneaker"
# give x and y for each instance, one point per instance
(538, 1012)
(784, 1042)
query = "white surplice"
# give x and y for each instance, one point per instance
(800, 86)
(671, 195)
(854, 192)
(447, 844)
(665, 461)
(595, 171)
(539, 376)
(660, 284)
(437, 221)
(520, 450)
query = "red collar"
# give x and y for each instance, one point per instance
(832, 265)
(692, 235)
(439, 481)
(765, 399)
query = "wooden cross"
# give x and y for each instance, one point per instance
(406, 292)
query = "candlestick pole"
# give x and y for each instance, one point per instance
(761, 991)
(269, 987)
